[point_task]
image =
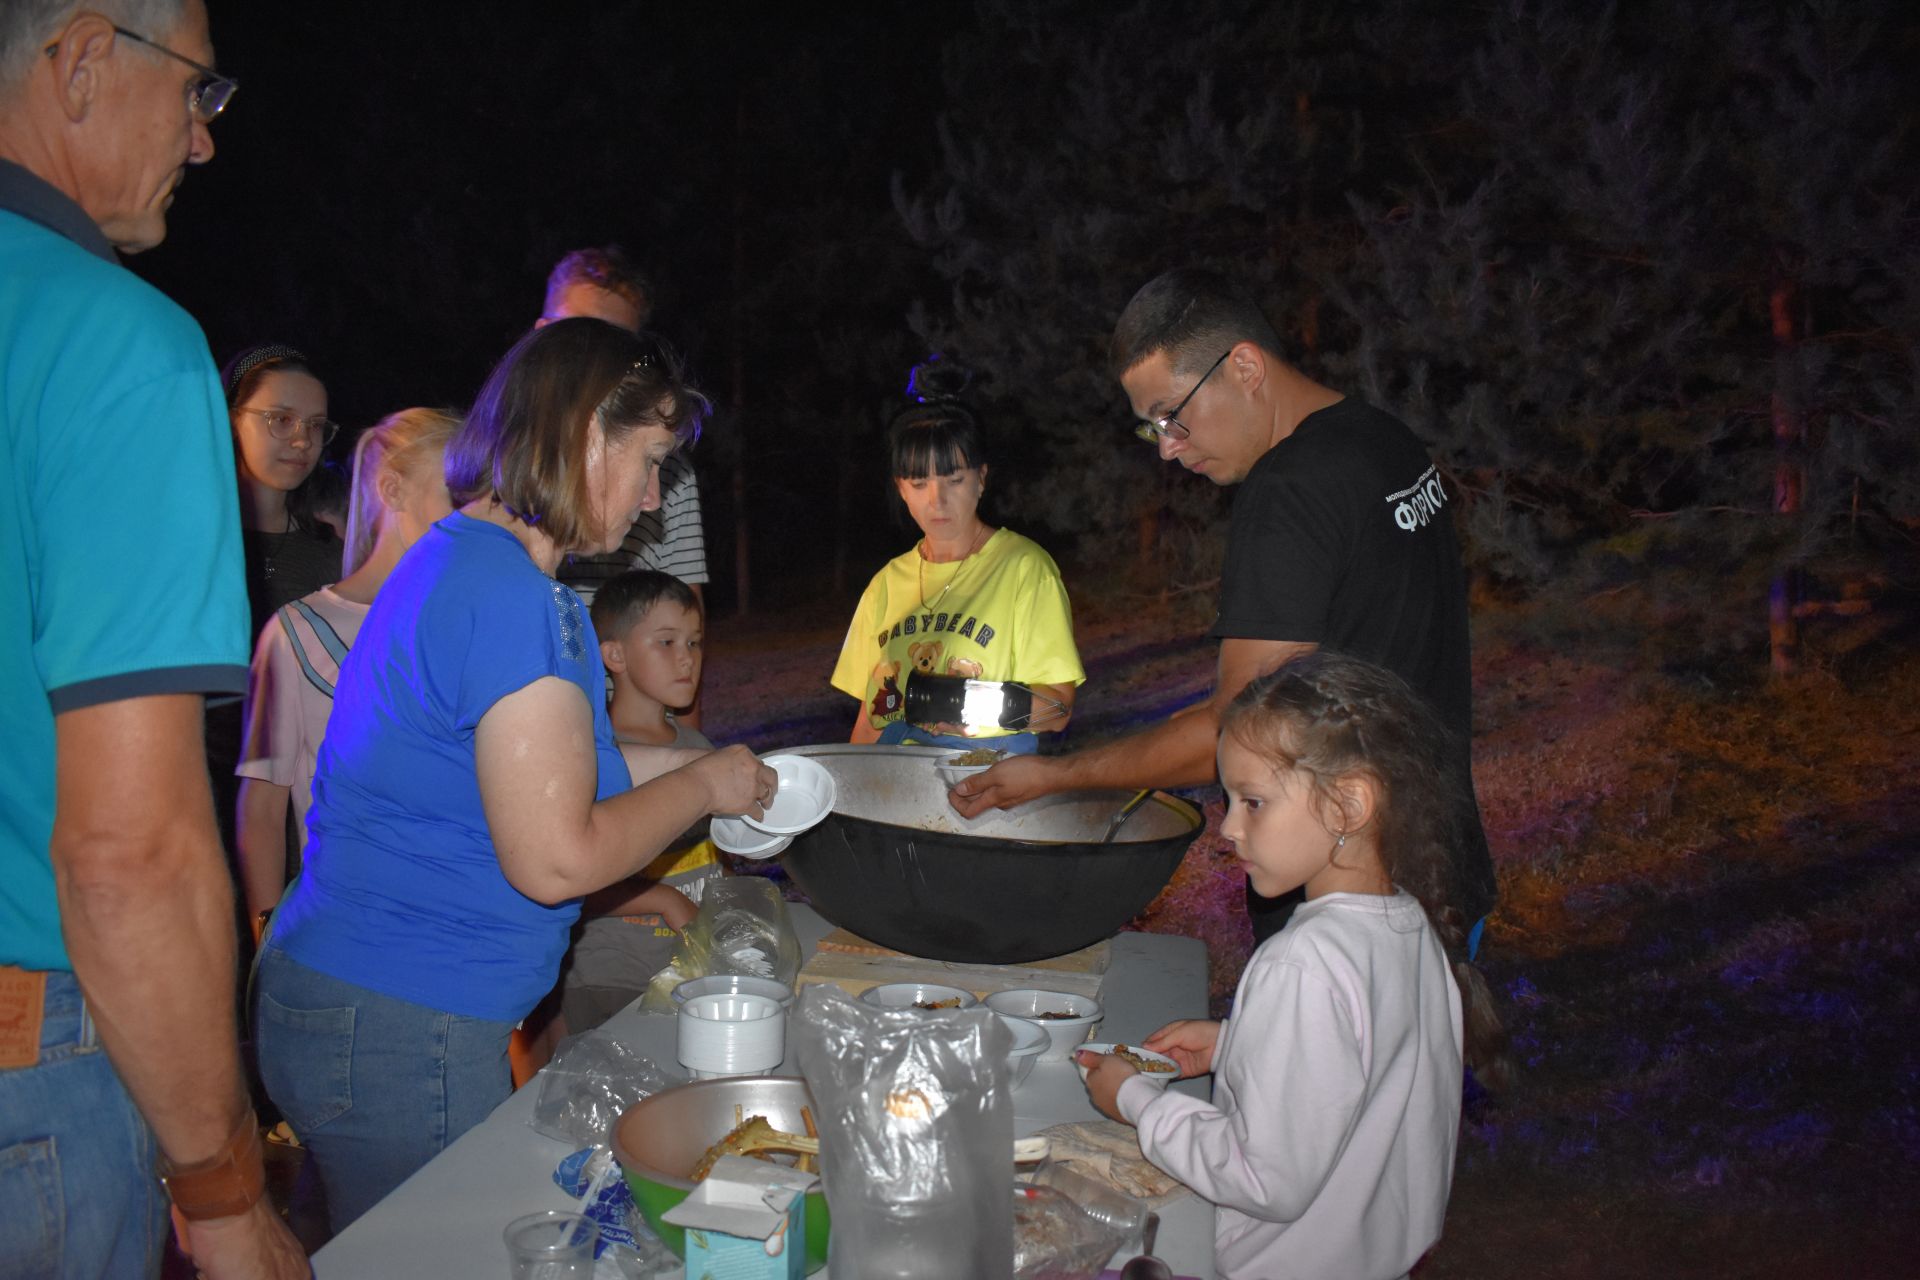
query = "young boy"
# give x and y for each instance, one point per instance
(650, 629)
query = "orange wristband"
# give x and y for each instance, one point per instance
(227, 1183)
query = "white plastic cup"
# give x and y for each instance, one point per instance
(731, 1034)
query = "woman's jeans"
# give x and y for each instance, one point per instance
(373, 1086)
(78, 1194)
(899, 733)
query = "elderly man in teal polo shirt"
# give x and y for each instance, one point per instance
(121, 606)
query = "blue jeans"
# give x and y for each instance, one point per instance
(78, 1195)
(901, 734)
(375, 1087)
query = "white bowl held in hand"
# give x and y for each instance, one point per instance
(736, 837)
(1029, 1042)
(1168, 1070)
(952, 772)
(805, 796)
(1067, 1019)
(918, 995)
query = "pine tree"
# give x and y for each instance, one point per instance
(1630, 273)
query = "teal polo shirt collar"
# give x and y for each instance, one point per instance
(26, 193)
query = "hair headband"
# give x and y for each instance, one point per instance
(252, 358)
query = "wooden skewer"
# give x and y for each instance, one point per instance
(1025, 1150)
(805, 1163)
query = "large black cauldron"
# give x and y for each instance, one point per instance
(895, 864)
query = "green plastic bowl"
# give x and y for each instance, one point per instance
(660, 1138)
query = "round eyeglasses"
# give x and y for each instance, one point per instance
(1168, 425)
(207, 96)
(283, 423)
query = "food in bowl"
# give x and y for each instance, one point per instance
(660, 1138)
(1156, 1067)
(1065, 1017)
(917, 995)
(977, 756)
(1140, 1062)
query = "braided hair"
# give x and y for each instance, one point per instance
(1330, 717)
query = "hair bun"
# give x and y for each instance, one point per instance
(937, 379)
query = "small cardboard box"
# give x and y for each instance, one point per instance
(747, 1221)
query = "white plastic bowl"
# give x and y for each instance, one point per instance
(1064, 1035)
(721, 984)
(1029, 1043)
(952, 774)
(736, 837)
(908, 995)
(805, 796)
(731, 1034)
(1160, 1078)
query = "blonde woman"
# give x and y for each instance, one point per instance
(399, 489)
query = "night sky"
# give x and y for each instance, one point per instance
(1591, 256)
(392, 183)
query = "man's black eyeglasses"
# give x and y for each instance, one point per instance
(1168, 425)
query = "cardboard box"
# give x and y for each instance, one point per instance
(747, 1221)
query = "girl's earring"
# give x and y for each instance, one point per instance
(1341, 843)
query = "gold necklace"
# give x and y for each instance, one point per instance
(921, 566)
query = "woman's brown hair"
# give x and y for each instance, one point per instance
(525, 442)
(1331, 716)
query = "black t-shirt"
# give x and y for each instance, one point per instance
(282, 567)
(1342, 538)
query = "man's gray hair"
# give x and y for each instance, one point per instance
(26, 26)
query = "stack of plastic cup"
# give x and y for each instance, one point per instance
(733, 1034)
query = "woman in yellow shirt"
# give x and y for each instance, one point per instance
(967, 600)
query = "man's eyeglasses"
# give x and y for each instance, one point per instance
(208, 96)
(1168, 425)
(282, 423)
(206, 99)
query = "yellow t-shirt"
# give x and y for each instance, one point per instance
(1000, 614)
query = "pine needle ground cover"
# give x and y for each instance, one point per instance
(1708, 943)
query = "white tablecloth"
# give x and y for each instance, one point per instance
(446, 1220)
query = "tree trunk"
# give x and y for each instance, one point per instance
(1789, 478)
(742, 520)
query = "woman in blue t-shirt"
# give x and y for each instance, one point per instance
(469, 791)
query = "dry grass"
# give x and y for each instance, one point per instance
(1706, 945)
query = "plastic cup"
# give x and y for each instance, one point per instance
(551, 1245)
(734, 1034)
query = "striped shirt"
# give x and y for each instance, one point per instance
(669, 538)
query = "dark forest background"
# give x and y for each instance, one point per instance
(1645, 277)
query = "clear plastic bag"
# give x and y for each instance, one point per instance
(916, 1110)
(592, 1079)
(743, 927)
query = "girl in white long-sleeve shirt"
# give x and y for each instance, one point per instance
(1328, 1143)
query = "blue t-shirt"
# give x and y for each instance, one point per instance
(401, 891)
(120, 572)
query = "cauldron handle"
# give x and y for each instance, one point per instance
(1126, 811)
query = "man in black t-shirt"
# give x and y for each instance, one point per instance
(1340, 538)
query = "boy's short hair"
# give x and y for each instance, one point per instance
(624, 600)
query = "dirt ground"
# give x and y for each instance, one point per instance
(1706, 948)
